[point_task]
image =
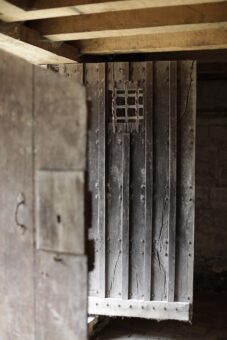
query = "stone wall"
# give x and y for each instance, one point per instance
(211, 186)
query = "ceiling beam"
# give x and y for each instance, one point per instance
(29, 45)
(16, 10)
(10, 12)
(116, 5)
(133, 22)
(22, 4)
(198, 40)
(203, 56)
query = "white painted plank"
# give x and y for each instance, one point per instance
(158, 310)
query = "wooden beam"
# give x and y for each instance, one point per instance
(21, 4)
(29, 45)
(204, 39)
(116, 4)
(127, 23)
(203, 56)
(40, 9)
(159, 310)
(10, 12)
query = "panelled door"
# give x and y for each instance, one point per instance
(43, 266)
(141, 150)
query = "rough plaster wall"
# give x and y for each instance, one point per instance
(211, 186)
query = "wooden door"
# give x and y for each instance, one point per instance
(43, 276)
(141, 148)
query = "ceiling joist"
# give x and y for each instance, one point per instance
(133, 22)
(55, 31)
(29, 45)
(17, 10)
(198, 40)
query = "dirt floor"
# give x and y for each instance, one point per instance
(209, 322)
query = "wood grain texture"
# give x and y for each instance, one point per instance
(102, 177)
(60, 211)
(41, 9)
(125, 214)
(206, 37)
(117, 73)
(172, 181)
(69, 132)
(129, 23)
(186, 180)
(158, 310)
(91, 78)
(73, 71)
(161, 226)
(16, 199)
(149, 126)
(161, 179)
(43, 294)
(137, 193)
(107, 5)
(31, 46)
(61, 308)
(60, 142)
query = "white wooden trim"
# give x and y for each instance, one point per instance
(159, 310)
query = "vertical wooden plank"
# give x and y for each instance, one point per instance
(186, 180)
(148, 111)
(137, 198)
(125, 214)
(94, 78)
(72, 71)
(91, 79)
(114, 193)
(102, 179)
(172, 180)
(117, 73)
(88, 75)
(161, 180)
(16, 197)
(60, 144)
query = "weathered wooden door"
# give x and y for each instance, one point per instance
(141, 148)
(43, 267)
(141, 176)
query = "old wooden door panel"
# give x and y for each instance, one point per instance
(150, 253)
(59, 209)
(161, 193)
(137, 169)
(145, 267)
(64, 128)
(43, 294)
(114, 169)
(61, 297)
(16, 195)
(60, 141)
(185, 181)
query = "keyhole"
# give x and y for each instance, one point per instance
(59, 218)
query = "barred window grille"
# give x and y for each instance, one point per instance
(127, 104)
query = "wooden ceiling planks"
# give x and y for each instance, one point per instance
(132, 22)
(104, 27)
(22, 10)
(197, 40)
(29, 45)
